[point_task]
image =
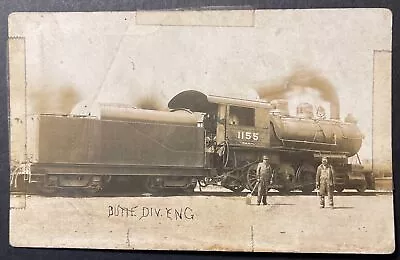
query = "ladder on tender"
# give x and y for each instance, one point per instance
(21, 168)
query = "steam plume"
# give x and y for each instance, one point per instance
(303, 79)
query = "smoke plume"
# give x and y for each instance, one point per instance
(53, 100)
(303, 79)
(150, 102)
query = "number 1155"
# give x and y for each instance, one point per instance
(247, 135)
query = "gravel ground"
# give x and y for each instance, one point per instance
(289, 224)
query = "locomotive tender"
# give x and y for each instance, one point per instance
(203, 139)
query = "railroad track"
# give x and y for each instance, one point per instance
(208, 192)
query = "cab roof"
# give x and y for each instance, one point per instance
(199, 102)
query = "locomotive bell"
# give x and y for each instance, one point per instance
(280, 106)
(305, 110)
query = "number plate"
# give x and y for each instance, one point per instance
(256, 137)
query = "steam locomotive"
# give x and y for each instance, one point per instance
(202, 140)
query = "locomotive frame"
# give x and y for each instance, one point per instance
(204, 139)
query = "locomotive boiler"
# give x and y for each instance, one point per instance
(203, 139)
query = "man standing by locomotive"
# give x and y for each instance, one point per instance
(264, 176)
(324, 182)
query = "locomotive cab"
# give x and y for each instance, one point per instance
(237, 133)
(247, 127)
(228, 121)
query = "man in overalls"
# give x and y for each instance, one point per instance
(264, 176)
(324, 182)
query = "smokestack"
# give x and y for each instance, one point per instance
(335, 110)
(304, 78)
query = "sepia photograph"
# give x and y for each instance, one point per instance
(202, 130)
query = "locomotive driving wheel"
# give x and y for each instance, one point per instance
(307, 178)
(308, 182)
(234, 181)
(252, 177)
(286, 178)
(237, 187)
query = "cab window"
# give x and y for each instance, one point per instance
(241, 116)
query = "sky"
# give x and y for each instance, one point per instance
(109, 57)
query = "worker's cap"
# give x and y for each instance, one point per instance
(265, 157)
(325, 158)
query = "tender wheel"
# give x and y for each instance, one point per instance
(49, 186)
(190, 188)
(48, 191)
(95, 186)
(153, 184)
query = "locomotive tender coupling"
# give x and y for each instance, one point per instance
(202, 140)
